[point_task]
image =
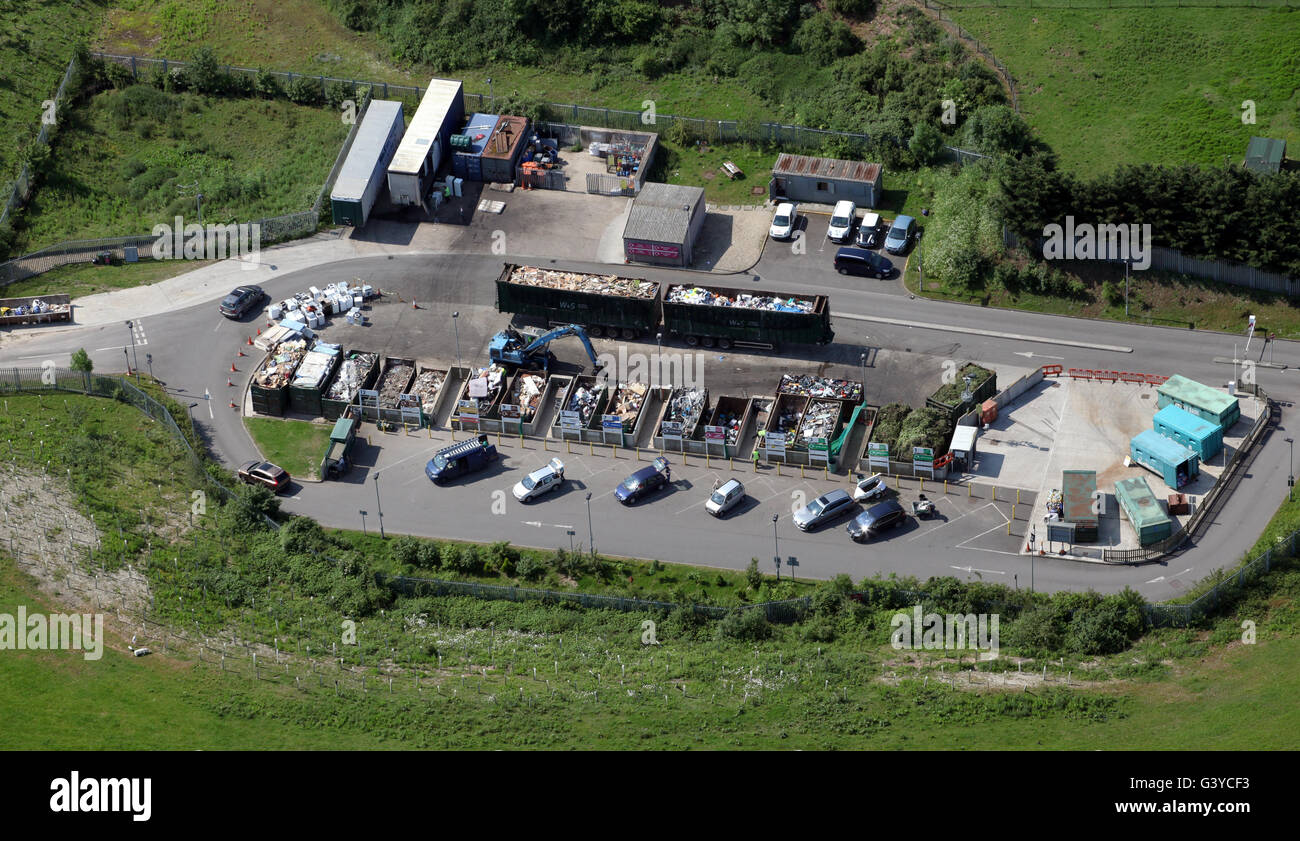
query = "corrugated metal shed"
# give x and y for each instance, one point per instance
(1143, 510)
(1212, 404)
(441, 99)
(367, 149)
(657, 213)
(1265, 154)
(828, 168)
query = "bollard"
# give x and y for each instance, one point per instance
(591, 449)
(1008, 528)
(801, 473)
(898, 481)
(969, 490)
(367, 440)
(945, 487)
(1017, 497)
(922, 489)
(827, 470)
(431, 433)
(707, 463)
(568, 446)
(498, 438)
(546, 444)
(731, 463)
(995, 493)
(638, 453)
(778, 468)
(1013, 510)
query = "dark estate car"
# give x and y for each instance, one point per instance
(240, 300)
(859, 261)
(877, 519)
(266, 474)
(644, 481)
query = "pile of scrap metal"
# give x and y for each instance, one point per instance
(493, 376)
(685, 405)
(698, 295)
(808, 385)
(394, 384)
(819, 421)
(351, 373)
(582, 401)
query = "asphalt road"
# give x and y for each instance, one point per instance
(193, 348)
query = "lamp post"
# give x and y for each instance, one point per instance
(491, 95)
(776, 548)
(659, 359)
(920, 240)
(380, 509)
(1126, 263)
(131, 332)
(363, 522)
(148, 360)
(862, 358)
(1290, 479)
(200, 198)
(455, 320)
(591, 535)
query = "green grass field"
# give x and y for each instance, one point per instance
(1117, 86)
(38, 41)
(80, 279)
(128, 160)
(297, 446)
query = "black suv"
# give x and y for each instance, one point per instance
(876, 519)
(240, 300)
(859, 261)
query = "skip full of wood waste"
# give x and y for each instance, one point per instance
(281, 364)
(623, 287)
(526, 393)
(426, 389)
(627, 403)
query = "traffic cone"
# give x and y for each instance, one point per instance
(241, 353)
(229, 382)
(414, 305)
(232, 405)
(250, 340)
(233, 369)
(259, 329)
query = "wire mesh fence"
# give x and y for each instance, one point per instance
(20, 190)
(1112, 4)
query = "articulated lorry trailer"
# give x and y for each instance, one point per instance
(629, 308)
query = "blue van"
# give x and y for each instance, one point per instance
(460, 458)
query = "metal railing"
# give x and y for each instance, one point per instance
(1112, 4)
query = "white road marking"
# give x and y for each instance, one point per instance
(955, 519)
(538, 524)
(1156, 580)
(969, 569)
(207, 395)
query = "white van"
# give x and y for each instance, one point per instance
(842, 218)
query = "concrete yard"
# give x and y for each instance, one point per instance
(1063, 424)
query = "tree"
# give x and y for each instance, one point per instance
(203, 73)
(997, 130)
(81, 361)
(824, 39)
(752, 575)
(926, 142)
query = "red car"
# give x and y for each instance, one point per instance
(265, 473)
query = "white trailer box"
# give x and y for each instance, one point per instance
(364, 169)
(426, 142)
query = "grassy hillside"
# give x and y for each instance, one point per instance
(129, 159)
(1131, 85)
(37, 41)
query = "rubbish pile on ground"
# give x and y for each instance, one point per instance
(699, 295)
(582, 401)
(36, 307)
(313, 306)
(624, 287)
(394, 384)
(526, 394)
(808, 385)
(819, 421)
(280, 365)
(627, 403)
(685, 405)
(426, 388)
(351, 373)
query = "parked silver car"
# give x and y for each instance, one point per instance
(823, 509)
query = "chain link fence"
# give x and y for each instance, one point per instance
(20, 190)
(1112, 4)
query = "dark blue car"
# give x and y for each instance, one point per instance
(459, 459)
(645, 481)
